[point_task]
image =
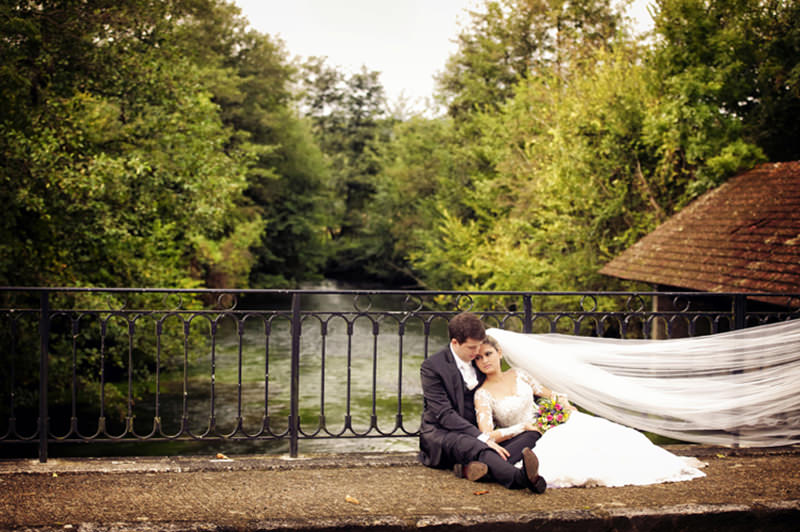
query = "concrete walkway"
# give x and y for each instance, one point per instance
(743, 490)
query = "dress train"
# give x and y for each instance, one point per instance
(592, 451)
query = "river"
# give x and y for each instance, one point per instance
(345, 358)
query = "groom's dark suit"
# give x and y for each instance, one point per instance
(449, 432)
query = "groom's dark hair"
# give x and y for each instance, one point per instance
(466, 325)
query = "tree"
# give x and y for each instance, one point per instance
(171, 124)
(510, 47)
(735, 62)
(565, 171)
(287, 180)
(348, 117)
(570, 185)
(514, 40)
(416, 164)
(115, 167)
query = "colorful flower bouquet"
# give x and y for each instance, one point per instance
(551, 413)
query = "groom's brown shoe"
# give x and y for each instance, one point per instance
(536, 483)
(472, 471)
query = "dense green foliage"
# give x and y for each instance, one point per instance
(348, 118)
(516, 40)
(148, 143)
(564, 151)
(134, 154)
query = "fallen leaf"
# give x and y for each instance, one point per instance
(351, 500)
(720, 455)
(482, 492)
(55, 474)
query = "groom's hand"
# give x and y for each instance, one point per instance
(500, 450)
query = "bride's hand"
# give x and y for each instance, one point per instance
(500, 450)
(565, 403)
(532, 427)
(569, 407)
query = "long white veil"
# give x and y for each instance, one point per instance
(735, 388)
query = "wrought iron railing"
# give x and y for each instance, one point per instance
(86, 365)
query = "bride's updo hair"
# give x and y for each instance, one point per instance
(466, 325)
(492, 342)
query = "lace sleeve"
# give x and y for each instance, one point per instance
(528, 379)
(509, 432)
(483, 410)
(483, 413)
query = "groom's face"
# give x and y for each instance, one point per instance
(468, 350)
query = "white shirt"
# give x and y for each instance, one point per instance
(467, 371)
(470, 381)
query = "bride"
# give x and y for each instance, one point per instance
(582, 451)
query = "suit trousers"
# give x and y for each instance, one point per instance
(503, 471)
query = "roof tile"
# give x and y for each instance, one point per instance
(743, 236)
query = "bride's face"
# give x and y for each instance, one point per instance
(488, 359)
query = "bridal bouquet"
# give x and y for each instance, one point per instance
(551, 413)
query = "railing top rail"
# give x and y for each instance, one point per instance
(361, 291)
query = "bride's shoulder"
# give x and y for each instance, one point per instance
(482, 393)
(526, 377)
(520, 373)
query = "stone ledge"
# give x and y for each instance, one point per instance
(745, 489)
(178, 464)
(777, 516)
(173, 464)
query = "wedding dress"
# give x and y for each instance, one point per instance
(586, 450)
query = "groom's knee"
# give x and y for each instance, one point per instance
(462, 448)
(519, 442)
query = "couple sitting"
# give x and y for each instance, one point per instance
(480, 420)
(449, 434)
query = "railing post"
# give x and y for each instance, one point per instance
(44, 338)
(527, 326)
(294, 392)
(739, 311)
(739, 315)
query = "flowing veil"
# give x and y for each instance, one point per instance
(735, 388)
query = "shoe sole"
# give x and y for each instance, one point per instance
(531, 463)
(472, 471)
(475, 471)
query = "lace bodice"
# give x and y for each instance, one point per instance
(512, 409)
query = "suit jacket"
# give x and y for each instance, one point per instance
(444, 409)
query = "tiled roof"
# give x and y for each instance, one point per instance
(743, 236)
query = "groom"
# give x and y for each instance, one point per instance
(449, 436)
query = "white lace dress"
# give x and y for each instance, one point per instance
(586, 450)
